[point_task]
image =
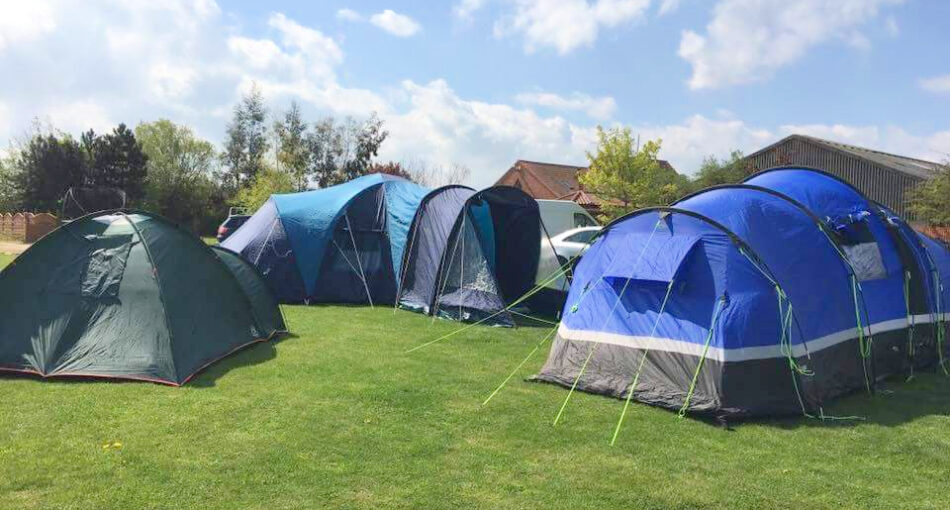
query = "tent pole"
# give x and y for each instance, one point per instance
(445, 280)
(266, 240)
(358, 262)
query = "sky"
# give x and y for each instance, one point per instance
(483, 83)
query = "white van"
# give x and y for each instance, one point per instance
(563, 215)
(561, 218)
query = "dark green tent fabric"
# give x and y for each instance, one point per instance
(263, 303)
(127, 295)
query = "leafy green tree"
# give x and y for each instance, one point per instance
(115, 160)
(626, 177)
(267, 182)
(340, 152)
(9, 194)
(246, 143)
(714, 172)
(180, 183)
(929, 201)
(293, 153)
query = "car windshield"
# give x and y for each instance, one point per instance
(583, 236)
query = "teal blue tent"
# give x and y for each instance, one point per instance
(340, 244)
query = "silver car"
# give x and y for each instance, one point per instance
(567, 246)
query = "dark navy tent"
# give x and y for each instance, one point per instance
(340, 244)
(768, 297)
(472, 254)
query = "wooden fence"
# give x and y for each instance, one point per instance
(26, 227)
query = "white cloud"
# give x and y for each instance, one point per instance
(396, 24)
(22, 22)
(566, 25)
(348, 15)
(668, 6)
(466, 8)
(437, 125)
(937, 84)
(749, 40)
(600, 108)
(186, 62)
(78, 116)
(891, 27)
(893, 139)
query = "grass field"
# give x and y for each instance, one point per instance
(338, 415)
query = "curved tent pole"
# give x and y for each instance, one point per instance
(744, 247)
(158, 281)
(831, 236)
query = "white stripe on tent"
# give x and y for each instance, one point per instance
(733, 355)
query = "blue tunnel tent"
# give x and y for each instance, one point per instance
(341, 244)
(472, 254)
(891, 266)
(744, 300)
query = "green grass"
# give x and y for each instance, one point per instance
(340, 416)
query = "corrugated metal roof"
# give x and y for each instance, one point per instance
(912, 166)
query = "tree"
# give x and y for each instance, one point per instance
(433, 176)
(714, 172)
(390, 168)
(180, 183)
(115, 160)
(267, 182)
(930, 200)
(293, 153)
(43, 168)
(9, 194)
(626, 177)
(340, 152)
(246, 143)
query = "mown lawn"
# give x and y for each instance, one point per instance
(340, 416)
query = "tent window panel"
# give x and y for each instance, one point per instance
(105, 266)
(860, 246)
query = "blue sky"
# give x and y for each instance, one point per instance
(484, 82)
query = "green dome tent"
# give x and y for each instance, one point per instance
(128, 295)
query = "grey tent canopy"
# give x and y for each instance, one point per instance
(128, 295)
(470, 254)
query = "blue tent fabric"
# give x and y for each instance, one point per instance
(768, 297)
(292, 235)
(402, 201)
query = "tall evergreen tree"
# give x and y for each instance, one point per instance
(115, 160)
(246, 143)
(293, 154)
(44, 168)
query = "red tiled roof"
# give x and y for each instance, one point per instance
(551, 181)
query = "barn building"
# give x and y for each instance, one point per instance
(883, 177)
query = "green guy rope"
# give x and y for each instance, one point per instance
(525, 360)
(864, 347)
(606, 320)
(636, 376)
(537, 288)
(702, 358)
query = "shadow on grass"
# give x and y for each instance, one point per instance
(251, 355)
(895, 402)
